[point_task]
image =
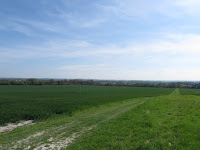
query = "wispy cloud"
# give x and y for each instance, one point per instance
(22, 29)
(171, 44)
(79, 18)
(93, 72)
(175, 43)
(103, 39)
(145, 8)
(85, 67)
(70, 49)
(17, 27)
(188, 6)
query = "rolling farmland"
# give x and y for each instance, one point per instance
(40, 102)
(151, 119)
(99, 75)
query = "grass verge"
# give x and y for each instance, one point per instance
(166, 122)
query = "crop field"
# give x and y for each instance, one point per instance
(40, 102)
(133, 118)
(166, 122)
(190, 91)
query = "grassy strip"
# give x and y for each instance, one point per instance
(166, 122)
(40, 102)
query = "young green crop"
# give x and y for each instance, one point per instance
(163, 122)
(190, 91)
(39, 102)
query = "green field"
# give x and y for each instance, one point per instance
(154, 119)
(40, 102)
(164, 121)
(190, 91)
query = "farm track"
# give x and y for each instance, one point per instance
(59, 132)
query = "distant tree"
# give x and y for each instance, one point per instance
(32, 81)
(52, 82)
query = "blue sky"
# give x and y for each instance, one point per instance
(100, 39)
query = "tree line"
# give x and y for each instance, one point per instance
(38, 82)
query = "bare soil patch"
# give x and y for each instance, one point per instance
(12, 126)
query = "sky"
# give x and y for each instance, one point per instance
(100, 39)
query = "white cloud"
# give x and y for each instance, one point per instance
(145, 8)
(77, 19)
(108, 72)
(84, 67)
(40, 25)
(68, 49)
(121, 73)
(172, 43)
(181, 74)
(188, 6)
(14, 26)
(102, 71)
(22, 29)
(177, 44)
(129, 8)
(187, 3)
(174, 57)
